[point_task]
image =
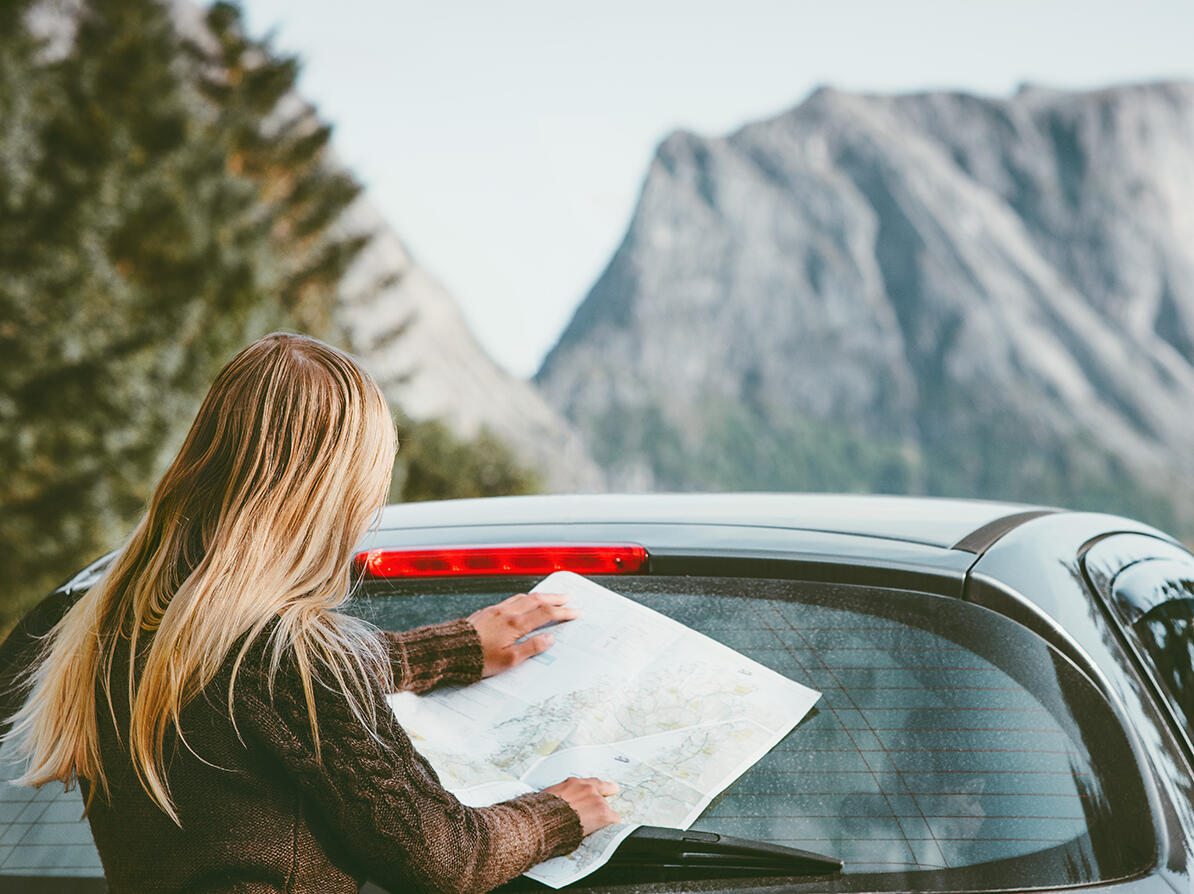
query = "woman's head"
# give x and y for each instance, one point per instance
(253, 524)
(287, 461)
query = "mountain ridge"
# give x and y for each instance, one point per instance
(413, 338)
(908, 273)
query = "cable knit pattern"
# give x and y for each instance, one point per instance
(271, 816)
(439, 653)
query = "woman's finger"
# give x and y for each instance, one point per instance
(551, 598)
(530, 647)
(528, 601)
(517, 603)
(544, 614)
(606, 788)
(524, 602)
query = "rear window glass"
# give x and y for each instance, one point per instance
(949, 742)
(947, 737)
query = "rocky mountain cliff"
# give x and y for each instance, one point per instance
(411, 336)
(932, 293)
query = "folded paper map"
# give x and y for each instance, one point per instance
(625, 694)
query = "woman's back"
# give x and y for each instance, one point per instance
(261, 810)
(242, 819)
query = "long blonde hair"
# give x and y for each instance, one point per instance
(283, 468)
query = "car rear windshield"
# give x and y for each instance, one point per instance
(948, 740)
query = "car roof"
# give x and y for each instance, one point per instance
(934, 521)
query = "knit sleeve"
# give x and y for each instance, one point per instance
(384, 804)
(438, 653)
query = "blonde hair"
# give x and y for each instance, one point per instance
(283, 468)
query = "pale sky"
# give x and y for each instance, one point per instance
(506, 140)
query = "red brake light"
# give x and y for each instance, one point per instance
(528, 559)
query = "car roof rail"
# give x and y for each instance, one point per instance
(981, 539)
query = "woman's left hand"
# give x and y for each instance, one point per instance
(501, 626)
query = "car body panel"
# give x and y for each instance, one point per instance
(678, 545)
(1114, 567)
(1034, 576)
(932, 521)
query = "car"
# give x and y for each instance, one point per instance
(1006, 689)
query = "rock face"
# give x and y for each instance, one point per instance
(412, 338)
(933, 293)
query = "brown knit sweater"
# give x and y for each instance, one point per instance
(264, 814)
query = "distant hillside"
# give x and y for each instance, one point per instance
(413, 338)
(934, 293)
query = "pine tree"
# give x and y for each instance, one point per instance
(162, 203)
(26, 98)
(434, 464)
(149, 238)
(276, 140)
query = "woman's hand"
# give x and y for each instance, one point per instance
(501, 626)
(587, 798)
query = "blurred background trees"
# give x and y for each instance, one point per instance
(162, 203)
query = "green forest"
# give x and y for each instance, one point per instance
(163, 202)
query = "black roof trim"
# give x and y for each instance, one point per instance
(980, 540)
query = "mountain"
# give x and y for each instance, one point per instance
(412, 338)
(931, 293)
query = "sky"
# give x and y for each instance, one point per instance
(506, 140)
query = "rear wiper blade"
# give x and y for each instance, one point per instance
(656, 847)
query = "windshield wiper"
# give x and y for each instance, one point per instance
(654, 847)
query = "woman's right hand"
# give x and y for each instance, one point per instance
(587, 798)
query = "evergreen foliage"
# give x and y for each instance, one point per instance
(433, 464)
(162, 203)
(731, 446)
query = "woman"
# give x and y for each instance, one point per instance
(224, 720)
